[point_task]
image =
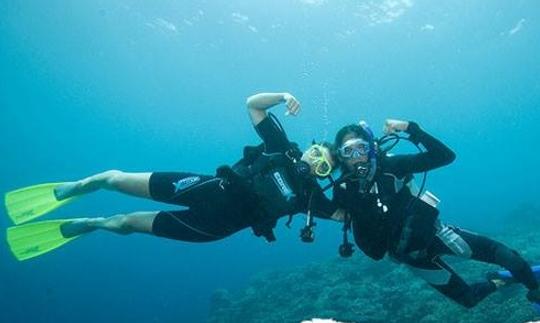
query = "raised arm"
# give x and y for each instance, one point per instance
(436, 155)
(258, 104)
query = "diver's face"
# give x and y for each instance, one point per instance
(319, 159)
(352, 162)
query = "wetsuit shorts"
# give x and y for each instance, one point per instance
(211, 214)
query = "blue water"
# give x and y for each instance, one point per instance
(87, 86)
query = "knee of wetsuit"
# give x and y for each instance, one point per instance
(509, 258)
(519, 268)
(467, 301)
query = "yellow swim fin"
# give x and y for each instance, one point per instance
(31, 202)
(34, 239)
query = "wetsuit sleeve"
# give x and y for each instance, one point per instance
(322, 206)
(436, 155)
(274, 138)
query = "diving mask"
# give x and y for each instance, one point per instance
(354, 149)
(322, 166)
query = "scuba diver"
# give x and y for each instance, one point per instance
(387, 216)
(272, 180)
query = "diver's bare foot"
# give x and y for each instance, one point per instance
(79, 226)
(65, 190)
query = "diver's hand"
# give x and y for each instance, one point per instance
(393, 126)
(293, 106)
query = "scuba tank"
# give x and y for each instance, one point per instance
(275, 181)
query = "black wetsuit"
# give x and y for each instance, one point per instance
(218, 208)
(380, 215)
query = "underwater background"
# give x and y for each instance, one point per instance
(87, 86)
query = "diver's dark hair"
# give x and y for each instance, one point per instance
(352, 128)
(327, 144)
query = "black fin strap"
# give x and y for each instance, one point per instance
(289, 221)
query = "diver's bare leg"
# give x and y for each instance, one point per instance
(140, 222)
(136, 184)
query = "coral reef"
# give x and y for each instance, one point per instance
(360, 290)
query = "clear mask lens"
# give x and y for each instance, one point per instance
(354, 148)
